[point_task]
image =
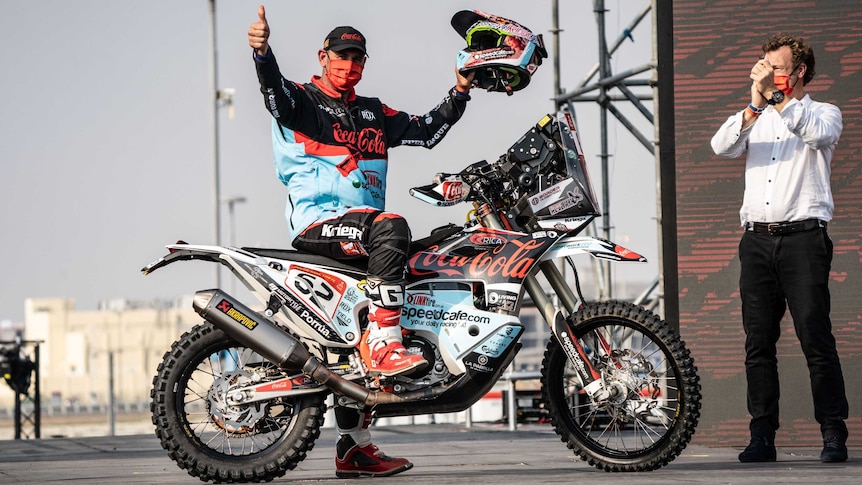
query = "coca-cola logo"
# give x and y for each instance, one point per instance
(514, 263)
(453, 190)
(282, 385)
(366, 140)
(349, 36)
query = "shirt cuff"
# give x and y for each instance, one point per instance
(262, 59)
(459, 95)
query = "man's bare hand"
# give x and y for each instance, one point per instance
(258, 33)
(763, 81)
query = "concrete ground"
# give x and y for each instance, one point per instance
(441, 453)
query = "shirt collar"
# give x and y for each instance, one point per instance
(318, 81)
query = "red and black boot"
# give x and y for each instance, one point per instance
(354, 461)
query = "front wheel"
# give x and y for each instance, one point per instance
(656, 406)
(213, 435)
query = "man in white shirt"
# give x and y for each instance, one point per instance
(785, 251)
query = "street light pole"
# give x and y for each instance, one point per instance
(231, 201)
(216, 95)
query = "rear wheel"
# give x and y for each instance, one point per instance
(208, 433)
(655, 410)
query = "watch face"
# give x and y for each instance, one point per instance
(777, 97)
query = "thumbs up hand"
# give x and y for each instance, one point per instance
(258, 33)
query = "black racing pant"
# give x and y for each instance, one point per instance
(382, 237)
(780, 272)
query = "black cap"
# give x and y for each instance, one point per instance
(342, 38)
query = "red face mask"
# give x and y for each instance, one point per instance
(344, 74)
(782, 82)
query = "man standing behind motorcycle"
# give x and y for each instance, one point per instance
(331, 148)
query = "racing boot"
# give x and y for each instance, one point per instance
(355, 455)
(383, 351)
(354, 461)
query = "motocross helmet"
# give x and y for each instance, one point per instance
(503, 54)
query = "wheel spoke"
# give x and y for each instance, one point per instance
(651, 399)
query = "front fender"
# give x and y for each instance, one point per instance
(594, 246)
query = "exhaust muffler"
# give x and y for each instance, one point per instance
(276, 345)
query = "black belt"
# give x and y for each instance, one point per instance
(784, 228)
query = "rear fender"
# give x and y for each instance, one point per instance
(214, 254)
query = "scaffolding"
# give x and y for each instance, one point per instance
(606, 88)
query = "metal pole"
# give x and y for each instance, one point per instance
(111, 403)
(666, 162)
(38, 399)
(215, 92)
(604, 72)
(555, 30)
(232, 229)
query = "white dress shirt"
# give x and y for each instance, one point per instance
(788, 166)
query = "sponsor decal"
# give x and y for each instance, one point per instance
(452, 190)
(338, 284)
(563, 205)
(437, 136)
(484, 239)
(351, 296)
(225, 307)
(541, 199)
(478, 366)
(541, 234)
(413, 142)
(495, 54)
(352, 248)
(626, 253)
(340, 230)
(456, 317)
(574, 356)
(570, 121)
(341, 321)
(367, 114)
(372, 179)
(280, 385)
(420, 299)
(366, 140)
(514, 262)
(503, 300)
(499, 23)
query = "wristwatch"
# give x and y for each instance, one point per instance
(777, 97)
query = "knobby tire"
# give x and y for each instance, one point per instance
(201, 443)
(662, 404)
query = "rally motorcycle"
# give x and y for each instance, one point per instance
(242, 396)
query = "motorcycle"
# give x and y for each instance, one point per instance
(242, 396)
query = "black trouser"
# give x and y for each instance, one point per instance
(789, 271)
(382, 237)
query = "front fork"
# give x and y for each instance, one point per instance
(590, 377)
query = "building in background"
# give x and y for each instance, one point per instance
(76, 347)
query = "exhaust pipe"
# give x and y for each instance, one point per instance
(276, 345)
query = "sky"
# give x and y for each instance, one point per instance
(107, 138)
